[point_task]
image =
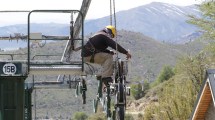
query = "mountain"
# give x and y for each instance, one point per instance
(45, 28)
(161, 21)
(187, 38)
(148, 55)
(148, 58)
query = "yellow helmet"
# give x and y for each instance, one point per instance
(113, 30)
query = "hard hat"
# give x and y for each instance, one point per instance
(112, 29)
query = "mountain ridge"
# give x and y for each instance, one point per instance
(156, 25)
(148, 58)
(160, 21)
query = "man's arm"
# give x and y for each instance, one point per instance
(111, 43)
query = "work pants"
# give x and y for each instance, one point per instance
(105, 60)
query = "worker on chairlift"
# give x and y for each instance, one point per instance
(95, 51)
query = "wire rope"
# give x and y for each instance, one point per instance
(111, 13)
(115, 24)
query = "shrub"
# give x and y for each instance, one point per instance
(129, 117)
(80, 116)
(136, 91)
(97, 116)
(165, 74)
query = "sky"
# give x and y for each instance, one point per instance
(98, 8)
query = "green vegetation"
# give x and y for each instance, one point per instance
(176, 101)
(97, 116)
(178, 94)
(80, 116)
(206, 22)
(165, 74)
(129, 117)
(136, 91)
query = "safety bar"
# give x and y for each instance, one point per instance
(61, 69)
(56, 70)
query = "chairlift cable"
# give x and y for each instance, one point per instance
(114, 13)
(114, 10)
(110, 12)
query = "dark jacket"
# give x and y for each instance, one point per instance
(100, 41)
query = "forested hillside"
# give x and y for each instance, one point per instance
(148, 58)
(175, 97)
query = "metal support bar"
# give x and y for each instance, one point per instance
(51, 70)
(25, 37)
(64, 70)
(12, 55)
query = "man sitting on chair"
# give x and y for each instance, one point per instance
(95, 51)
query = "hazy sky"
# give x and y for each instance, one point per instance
(98, 8)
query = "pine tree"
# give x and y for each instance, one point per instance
(206, 22)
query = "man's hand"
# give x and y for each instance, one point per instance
(128, 55)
